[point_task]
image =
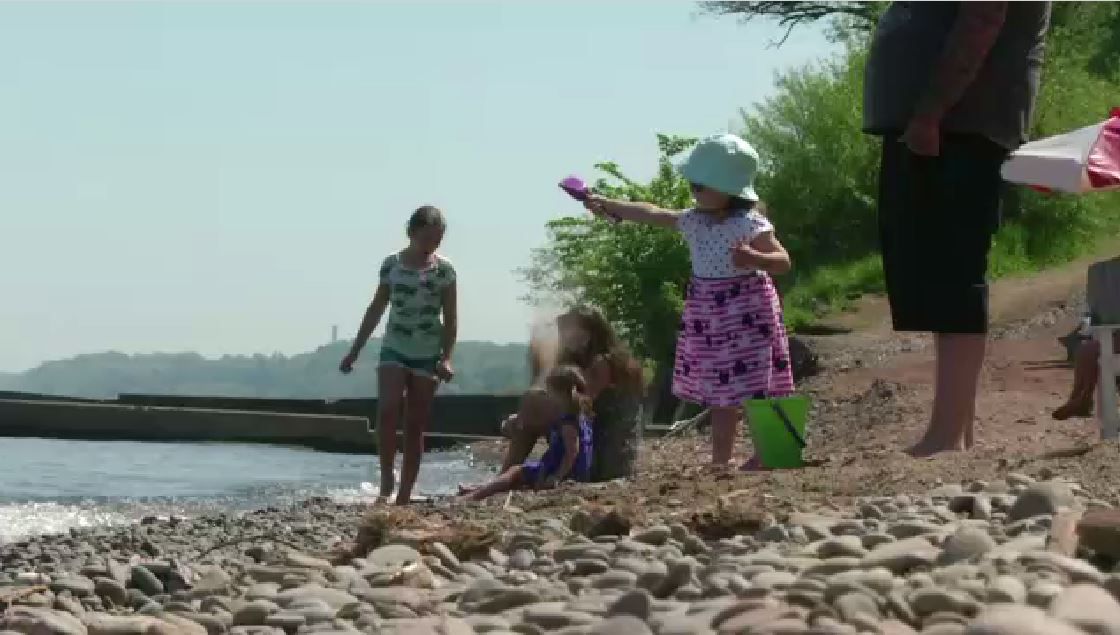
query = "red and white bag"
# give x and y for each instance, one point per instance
(1085, 160)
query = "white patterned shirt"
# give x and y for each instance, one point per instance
(710, 241)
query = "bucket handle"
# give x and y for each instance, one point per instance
(788, 424)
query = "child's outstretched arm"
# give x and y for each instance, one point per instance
(372, 317)
(645, 213)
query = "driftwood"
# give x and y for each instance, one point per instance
(684, 425)
(419, 530)
(9, 595)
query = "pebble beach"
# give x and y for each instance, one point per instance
(998, 557)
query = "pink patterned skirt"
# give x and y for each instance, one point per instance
(732, 344)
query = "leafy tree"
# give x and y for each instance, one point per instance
(634, 273)
(819, 177)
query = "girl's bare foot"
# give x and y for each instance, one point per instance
(753, 464)
(465, 490)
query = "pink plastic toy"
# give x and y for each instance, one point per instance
(577, 189)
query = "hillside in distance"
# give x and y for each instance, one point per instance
(480, 367)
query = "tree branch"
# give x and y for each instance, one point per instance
(790, 15)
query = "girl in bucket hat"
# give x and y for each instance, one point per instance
(732, 344)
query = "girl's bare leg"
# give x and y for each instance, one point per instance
(507, 480)
(391, 385)
(418, 414)
(725, 424)
(532, 420)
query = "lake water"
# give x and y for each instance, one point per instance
(50, 485)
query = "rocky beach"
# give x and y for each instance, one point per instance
(999, 557)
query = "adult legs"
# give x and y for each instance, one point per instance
(960, 358)
(391, 385)
(937, 216)
(418, 415)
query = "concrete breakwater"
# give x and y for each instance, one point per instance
(343, 426)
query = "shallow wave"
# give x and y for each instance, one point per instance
(113, 483)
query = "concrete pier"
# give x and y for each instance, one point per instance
(343, 426)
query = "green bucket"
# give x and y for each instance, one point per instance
(777, 428)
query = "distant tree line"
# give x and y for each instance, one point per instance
(481, 368)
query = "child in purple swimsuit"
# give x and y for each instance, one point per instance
(568, 456)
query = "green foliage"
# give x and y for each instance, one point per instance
(481, 367)
(635, 274)
(819, 181)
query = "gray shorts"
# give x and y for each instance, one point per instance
(421, 366)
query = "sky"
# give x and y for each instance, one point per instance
(226, 177)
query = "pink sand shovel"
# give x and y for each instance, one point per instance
(577, 189)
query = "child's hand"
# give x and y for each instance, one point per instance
(444, 371)
(347, 364)
(743, 256)
(596, 204)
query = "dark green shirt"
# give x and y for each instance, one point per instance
(415, 323)
(907, 47)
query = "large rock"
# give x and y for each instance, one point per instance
(1018, 620)
(146, 581)
(1044, 498)
(1099, 530)
(966, 544)
(112, 590)
(333, 598)
(1090, 608)
(78, 586)
(102, 624)
(902, 556)
(391, 556)
(254, 613)
(621, 625)
(805, 361)
(41, 621)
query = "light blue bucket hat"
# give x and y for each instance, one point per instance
(724, 163)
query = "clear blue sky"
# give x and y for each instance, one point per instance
(226, 177)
